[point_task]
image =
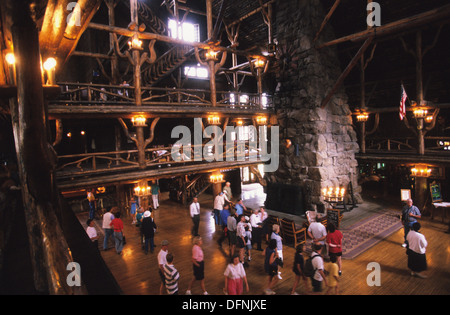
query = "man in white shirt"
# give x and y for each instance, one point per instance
(319, 275)
(194, 210)
(162, 260)
(219, 202)
(318, 232)
(106, 225)
(92, 232)
(256, 223)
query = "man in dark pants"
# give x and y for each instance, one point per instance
(410, 214)
(195, 215)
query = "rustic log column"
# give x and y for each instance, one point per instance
(136, 55)
(48, 249)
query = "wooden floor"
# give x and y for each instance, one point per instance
(137, 273)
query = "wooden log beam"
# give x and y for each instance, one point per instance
(408, 24)
(168, 39)
(347, 70)
(134, 176)
(49, 251)
(327, 18)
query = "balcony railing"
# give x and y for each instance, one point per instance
(85, 94)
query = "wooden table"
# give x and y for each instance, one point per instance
(444, 205)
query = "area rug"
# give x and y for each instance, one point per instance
(368, 232)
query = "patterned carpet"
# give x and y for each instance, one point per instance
(364, 234)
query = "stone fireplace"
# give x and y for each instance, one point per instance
(317, 145)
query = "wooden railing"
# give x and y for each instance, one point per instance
(100, 162)
(85, 94)
(407, 144)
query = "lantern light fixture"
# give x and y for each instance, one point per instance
(213, 120)
(211, 54)
(259, 63)
(420, 171)
(10, 59)
(216, 178)
(261, 120)
(138, 121)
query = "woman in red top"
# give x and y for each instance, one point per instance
(334, 241)
(117, 225)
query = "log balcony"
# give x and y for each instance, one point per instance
(84, 99)
(79, 170)
(405, 150)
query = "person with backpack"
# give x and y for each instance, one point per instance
(314, 268)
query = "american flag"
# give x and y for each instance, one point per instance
(402, 112)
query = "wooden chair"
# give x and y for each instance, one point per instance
(290, 233)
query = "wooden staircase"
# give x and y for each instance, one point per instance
(185, 189)
(166, 64)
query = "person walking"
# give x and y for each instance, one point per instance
(194, 209)
(162, 261)
(198, 265)
(410, 214)
(276, 236)
(318, 233)
(171, 275)
(417, 245)
(155, 195)
(91, 200)
(333, 276)
(270, 266)
(148, 228)
(117, 225)
(235, 277)
(106, 225)
(297, 268)
(219, 202)
(318, 265)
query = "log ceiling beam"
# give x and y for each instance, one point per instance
(168, 39)
(404, 25)
(347, 70)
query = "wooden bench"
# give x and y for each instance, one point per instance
(290, 233)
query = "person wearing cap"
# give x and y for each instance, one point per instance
(148, 228)
(162, 260)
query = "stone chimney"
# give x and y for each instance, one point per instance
(323, 141)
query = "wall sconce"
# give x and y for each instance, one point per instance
(49, 66)
(259, 63)
(261, 120)
(135, 43)
(216, 178)
(333, 194)
(428, 119)
(420, 171)
(239, 122)
(138, 121)
(362, 117)
(420, 113)
(11, 61)
(213, 120)
(211, 55)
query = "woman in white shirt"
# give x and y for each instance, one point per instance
(417, 244)
(235, 277)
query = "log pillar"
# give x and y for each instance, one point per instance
(36, 160)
